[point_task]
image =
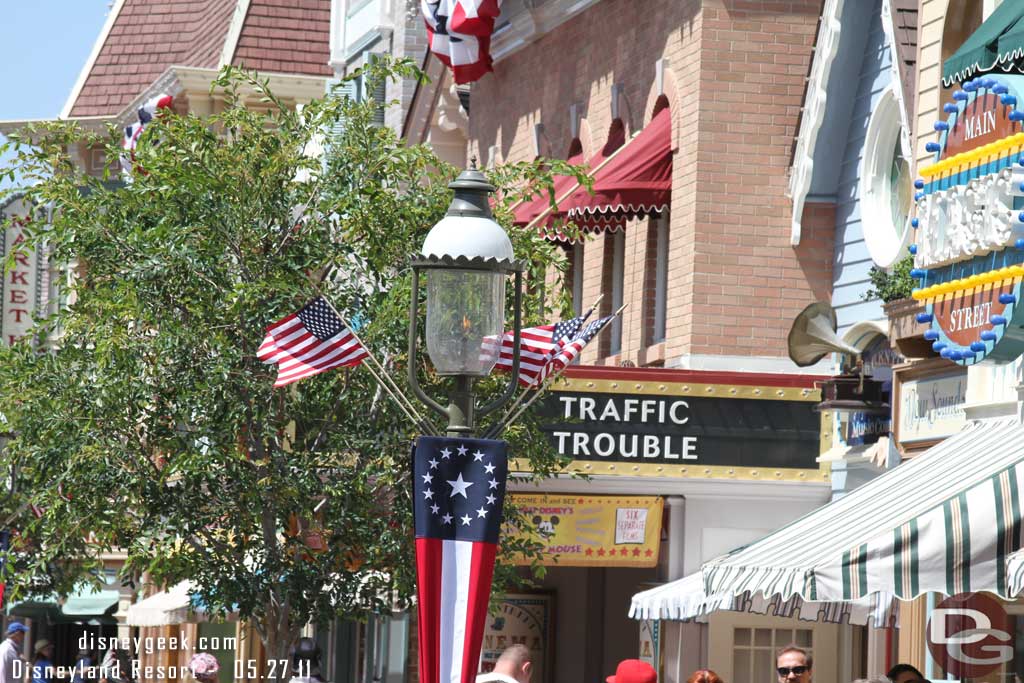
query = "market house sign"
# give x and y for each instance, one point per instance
(700, 430)
(22, 286)
(969, 246)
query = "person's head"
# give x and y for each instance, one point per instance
(204, 666)
(794, 664)
(704, 676)
(43, 648)
(904, 673)
(633, 671)
(306, 658)
(515, 662)
(16, 631)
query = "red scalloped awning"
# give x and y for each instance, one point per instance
(538, 211)
(527, 211)
(637, 181)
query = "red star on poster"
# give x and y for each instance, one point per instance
(580, 501)
(600, 552)
(590, 551)
(624, 552)
(636, 552)
(648, 552)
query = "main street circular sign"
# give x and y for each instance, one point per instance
(969, 244)
(969, 635)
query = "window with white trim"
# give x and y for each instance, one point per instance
(886, 186)
(754, 650)
(657, 278)
(577, 277)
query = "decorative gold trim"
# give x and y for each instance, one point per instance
(697, 471)
(1011, 275)
(727, 391)
(1013, 142)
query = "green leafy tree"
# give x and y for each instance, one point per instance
(891, 284)
(140, 416)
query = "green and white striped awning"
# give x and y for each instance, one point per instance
(997, 46)
(685, 600)
(946, 521)
(1015, 574)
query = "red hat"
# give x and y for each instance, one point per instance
(633, 671)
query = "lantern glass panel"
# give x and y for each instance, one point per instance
(465, 320)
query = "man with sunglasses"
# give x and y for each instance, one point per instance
(793, 665)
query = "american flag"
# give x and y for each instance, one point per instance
(571, 349)
(309, 342)
(459, 34)
(458, 493)
(537, 346)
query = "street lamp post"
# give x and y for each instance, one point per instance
(466, 259)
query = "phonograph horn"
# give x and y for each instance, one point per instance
(813, 336)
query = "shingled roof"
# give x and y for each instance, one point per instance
(148, 36)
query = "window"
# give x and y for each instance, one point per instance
(617, 285)
(886, 185)
(366, 88)
(753, 651)
(656, 278)
(576, 273)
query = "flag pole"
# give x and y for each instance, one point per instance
(522, 395)
(504, 423)
(390, 389)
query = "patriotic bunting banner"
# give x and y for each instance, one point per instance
(459, 34)
(132, 133)
(309, 342)
(458, 492)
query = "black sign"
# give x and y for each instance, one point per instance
(636, 428)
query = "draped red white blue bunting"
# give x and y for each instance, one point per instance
(147, 112)
(459, 34)
(458, 498)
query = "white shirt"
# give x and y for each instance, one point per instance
(496, 678)
(8, 655)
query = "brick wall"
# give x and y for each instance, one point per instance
(735, 82)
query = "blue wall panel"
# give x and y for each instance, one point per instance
(852, 261)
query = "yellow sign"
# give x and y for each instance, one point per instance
(595, 531)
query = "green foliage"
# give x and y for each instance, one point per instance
(891, 284)
(149, 425)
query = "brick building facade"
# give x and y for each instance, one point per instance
(734, 75)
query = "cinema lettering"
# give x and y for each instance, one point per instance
(969, 241)
(682, 433)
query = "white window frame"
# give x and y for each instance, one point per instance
(618, 285)
(885, 242)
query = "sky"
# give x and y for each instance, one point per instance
(44, 45)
